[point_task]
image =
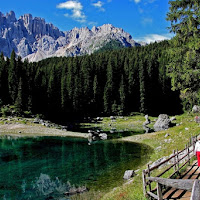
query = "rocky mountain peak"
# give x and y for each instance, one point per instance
(11, 17)
(33, 38)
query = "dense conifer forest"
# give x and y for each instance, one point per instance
(158, 78)
(116, 82)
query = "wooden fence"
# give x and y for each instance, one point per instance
(176, 161)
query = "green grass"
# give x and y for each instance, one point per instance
(179, 137)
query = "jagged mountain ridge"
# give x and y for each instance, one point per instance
(35, 39)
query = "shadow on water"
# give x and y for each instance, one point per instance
(46, 167)
(112, 132)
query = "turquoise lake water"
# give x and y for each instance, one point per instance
(46, 167)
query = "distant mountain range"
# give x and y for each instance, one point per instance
(35, 39)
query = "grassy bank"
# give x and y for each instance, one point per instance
(163, 145)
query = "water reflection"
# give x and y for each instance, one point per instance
(44, 187)
(59, 161)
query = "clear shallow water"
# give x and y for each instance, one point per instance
(44, 167)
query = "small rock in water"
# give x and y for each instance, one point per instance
(172, 119)
(103, 136)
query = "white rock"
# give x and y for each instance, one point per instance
(128, 174)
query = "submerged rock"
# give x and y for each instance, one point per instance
(74, 191)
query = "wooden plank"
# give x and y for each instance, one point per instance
(190, 173)
(174, 183)
(196, 191)
(169, 193)
(187, 195)
(152, 195)
(178, 194)
(190, 170)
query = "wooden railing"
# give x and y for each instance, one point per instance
(176, 161)
(189, 185)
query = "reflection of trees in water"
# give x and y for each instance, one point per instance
(43, 188)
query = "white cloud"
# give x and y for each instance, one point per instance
(154, 37)
(99, 5)
(71, 5)
(152, 1)
(147, 20)
(76, 8)
(136, 1)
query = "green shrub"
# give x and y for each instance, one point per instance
(6, 110)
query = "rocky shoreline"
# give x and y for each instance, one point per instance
(26, 127)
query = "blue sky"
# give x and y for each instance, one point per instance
(143, 19)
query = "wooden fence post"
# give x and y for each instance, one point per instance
(188, 152)
(159, 192)
(177, 159)
(193, 143)
(144, 183)
(149, 174)
(174, 152)
(195, 191)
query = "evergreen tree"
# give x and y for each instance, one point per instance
(122, 95)
(19, 100)
(142, 78)
(4, 92)
(184, 66)
(108, 90)
(64, 89)
(12, 77)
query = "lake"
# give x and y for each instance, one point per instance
(44, 167)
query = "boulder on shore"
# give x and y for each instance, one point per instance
(162, 123)
(128, 174)
(196, 109)
(147, 120)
